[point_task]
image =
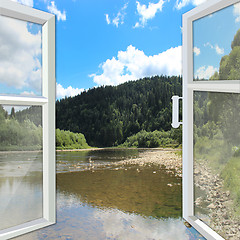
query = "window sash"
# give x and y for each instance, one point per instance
(47, 101)
(189, 86)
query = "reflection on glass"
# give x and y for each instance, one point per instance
(216, 45)
(21, 165)
(20, 57)
(217, 161)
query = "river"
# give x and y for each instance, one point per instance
(97, 198)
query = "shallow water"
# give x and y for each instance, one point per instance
(99, 200)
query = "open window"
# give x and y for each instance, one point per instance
(27, 119)
(211, 118)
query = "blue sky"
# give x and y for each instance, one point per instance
(106, 42)
(213, 36)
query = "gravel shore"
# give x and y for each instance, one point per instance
(162, 157)
(217, 202)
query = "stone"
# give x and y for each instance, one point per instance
(211, 206)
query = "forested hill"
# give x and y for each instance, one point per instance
(107, 115)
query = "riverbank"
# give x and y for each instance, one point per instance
(78, 150)
(216, 201)
(169, 158)
(115, 148)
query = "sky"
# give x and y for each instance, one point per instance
(106, 42)
(211, 45)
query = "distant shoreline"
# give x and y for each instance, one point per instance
(21, 151)
(115, 148)
(93, 149)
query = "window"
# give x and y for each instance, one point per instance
(211, 106)
(27, 119)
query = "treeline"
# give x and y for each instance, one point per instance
(33, 113)
(19, 131)
(108, 115)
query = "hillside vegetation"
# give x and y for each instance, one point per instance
(108, 115)
(18, 135)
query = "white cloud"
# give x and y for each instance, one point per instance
(147, 13)
(205, 72)
(236, 12)
(53, 9)
(196, 50)
(218, 50)
(119, 18)
(25, 2)
(20, 51)
(208, 44)
(120, 225)
(67, 92)
(116, 224)
(182, 3)
(133, 64)
(107, 19)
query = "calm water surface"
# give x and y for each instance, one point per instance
(99, 200)
(20, 188)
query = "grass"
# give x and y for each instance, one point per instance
(231, 177)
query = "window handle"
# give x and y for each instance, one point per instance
(175, 111)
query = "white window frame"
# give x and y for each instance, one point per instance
(189, 86)
(47, 101)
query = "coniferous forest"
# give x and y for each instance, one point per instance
(134, 114)
(109, 115)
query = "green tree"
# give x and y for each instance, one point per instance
(12, 115)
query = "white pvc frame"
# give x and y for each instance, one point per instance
(47, 101)
(189, 86)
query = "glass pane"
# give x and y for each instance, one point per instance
(21, 165)
(217, 161)
(20, 57)
(216, 45)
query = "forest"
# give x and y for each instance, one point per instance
(109, 115)
(133, 114)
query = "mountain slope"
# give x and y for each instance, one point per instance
(107, 115)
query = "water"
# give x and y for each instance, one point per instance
(97, 199)
(20, 188)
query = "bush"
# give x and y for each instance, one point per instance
(70, 140)
(20, 136)
(144, 139)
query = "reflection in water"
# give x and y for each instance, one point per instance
(84, 222)
(216, 161)
(20, 188)
(216, 51)
(115, 224)
(120, 225)
(114, 203)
